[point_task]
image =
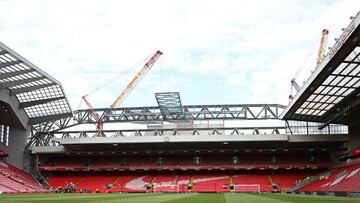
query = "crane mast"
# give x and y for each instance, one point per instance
(99, 125)
(296, 86)
(323, 44)
(320, 56)
(127, 90)
(136, 79)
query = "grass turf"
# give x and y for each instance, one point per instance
(173, 198)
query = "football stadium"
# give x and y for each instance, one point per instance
(305, 151)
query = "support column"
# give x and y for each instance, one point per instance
(354, 132)
(17, 142)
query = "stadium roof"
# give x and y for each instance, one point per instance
(39, 95)
(330, 95)
(169, 102)
(191, 143)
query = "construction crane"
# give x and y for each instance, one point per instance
(128, 89)
(136, 79)
(320, 56)
(99, 125)
(323, 44)
(295, 86)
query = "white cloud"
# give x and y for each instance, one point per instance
(246, 51)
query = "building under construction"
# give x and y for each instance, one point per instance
(182, 147)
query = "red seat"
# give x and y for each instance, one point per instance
(14, 180)
(341, 179)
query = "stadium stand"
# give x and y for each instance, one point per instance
(61, 180)
(283, 181)
(14, 180)
(131, 179)
(211, 182)
(97, 182)
(340, 179)
(178, 181)
(185, 162)
(164, 182)
(261, 179)
(119, 182)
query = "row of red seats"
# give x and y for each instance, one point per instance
(281, 159)
(341, 179)
(14, 180)
(173, 182)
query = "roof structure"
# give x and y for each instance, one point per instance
(169, 102)
(330, 95)
(39, 95)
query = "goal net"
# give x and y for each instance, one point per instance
(166, 188)
(246, 188)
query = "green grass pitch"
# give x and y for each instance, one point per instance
(173, 198)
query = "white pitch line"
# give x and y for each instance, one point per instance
(246, 198)
(151, 198)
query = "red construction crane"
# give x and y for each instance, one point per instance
(136, 79)
(126, 91)
(99, 125)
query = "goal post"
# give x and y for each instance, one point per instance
(246, 188)
(166, 188)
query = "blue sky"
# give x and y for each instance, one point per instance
(215, 52)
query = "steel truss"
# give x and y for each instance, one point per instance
(343, 112)
(171, 132)
(43, 133)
